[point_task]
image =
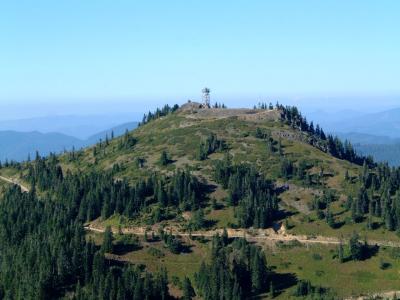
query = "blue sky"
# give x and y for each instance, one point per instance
(145, 53)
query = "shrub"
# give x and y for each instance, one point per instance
(316, 256)
(155, 252)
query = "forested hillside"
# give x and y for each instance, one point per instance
(212, 203)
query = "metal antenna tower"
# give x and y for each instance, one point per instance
(206, 97)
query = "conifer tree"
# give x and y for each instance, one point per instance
(188, 291)
(164, 160)
(356, 249)
(107, 245)
(329, 218)
(341, 252)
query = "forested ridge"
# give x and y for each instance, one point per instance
(45, 252)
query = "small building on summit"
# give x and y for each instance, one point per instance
(191, 105)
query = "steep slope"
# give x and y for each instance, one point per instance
(180, 135)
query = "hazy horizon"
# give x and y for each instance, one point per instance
(136, 108)
(117, 61)
(93, 57)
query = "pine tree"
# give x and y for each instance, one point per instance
(280, 150)
(164, 160)
(341, 252)
(356, 249)
(389, 220)
(188, 291)
(162, 284)
(198, 220)
(105, 211)
(107, 245)
(329, 218)
(257, 273)
(354, 211)
(225, 237)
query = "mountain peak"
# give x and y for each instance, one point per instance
(198, 111)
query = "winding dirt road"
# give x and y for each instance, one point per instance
(15, 182)
(381, 295)
(254, 235)
(260, 236)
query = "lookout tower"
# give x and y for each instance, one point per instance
(206, 97)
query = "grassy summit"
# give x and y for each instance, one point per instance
(256, 137)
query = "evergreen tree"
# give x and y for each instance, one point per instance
(329, 218)
(188, 291)
(225, 237)
(164, 160)
(107, 246)
(198, 220)
(356, 248)
(341, 252)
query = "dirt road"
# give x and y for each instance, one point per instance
(252, 235)
(16, 182)
(381, 295)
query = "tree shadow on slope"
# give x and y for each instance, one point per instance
(282, 214)
(121, 249)
(282, 281)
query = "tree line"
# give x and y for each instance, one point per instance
(325, 142)
(158, 113)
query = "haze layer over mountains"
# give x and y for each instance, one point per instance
(375, 133)
(22, 138)
(372, 133)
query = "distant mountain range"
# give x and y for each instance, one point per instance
(385, 123)
(117, 131)
(366, 139)
(376, 134)
(381, 152)
(79, 126)
(18, 146)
